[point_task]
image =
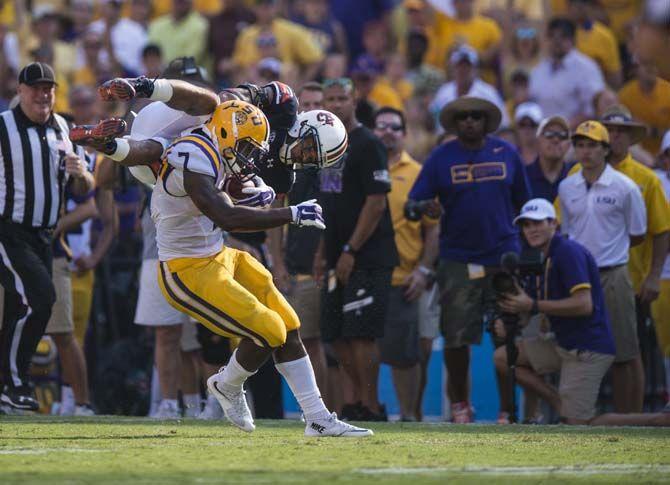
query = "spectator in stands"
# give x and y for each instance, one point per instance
(372, 91)
(421, 137)
(376, 47)
(140, 12)
(648, 98)
(81, 14)
(127, 37)
(522, 53)
(464, 61)
(482, 184)
(329, 32)
(596, 40)
(660, 308)
(565, 82)
(468, 27)
(421, 19)
(152, 61)
(417, 243)
(358, 251)
(181, 33)
(550, 168)
(425, 78)
(295, 46)
(519, 92)
(99, 62)
(603, 210)
(223, 31)
(527, 117)
(355, 14)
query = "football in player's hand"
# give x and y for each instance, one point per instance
(233, 187)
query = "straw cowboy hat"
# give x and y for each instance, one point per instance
(620, 116)
(470, 103)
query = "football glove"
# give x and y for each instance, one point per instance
(308, 213)
(125, 89)
(261, 195)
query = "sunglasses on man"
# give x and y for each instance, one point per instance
(381, 126)
(475, 115)
(561, 135)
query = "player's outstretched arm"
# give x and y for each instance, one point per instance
(140, 152)
(178, 95)
(219, 208)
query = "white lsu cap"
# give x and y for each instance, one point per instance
(537, 210)
(665, 144)
(530, 110)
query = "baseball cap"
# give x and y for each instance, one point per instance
(271, 64)
(530, 110)
(592, 130)
(37, 72)
(464, 53)
(559, 120)
(414, 4)
(665, 143)
(536, 210)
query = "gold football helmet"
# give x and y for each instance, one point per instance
(241, 132)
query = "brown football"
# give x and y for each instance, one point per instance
(233, 187)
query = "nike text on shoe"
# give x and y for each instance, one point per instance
(234, 404)
(331, 426)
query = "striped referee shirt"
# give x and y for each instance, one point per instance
(32, 168)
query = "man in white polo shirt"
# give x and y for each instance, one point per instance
(604, 211)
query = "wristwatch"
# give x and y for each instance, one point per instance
(348, 249)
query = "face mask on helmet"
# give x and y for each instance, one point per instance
(318, 139)
(243, 160)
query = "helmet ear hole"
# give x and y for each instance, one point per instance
(224, 134)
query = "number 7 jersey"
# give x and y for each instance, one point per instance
(182, 230)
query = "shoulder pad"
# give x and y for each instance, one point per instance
(195, 153)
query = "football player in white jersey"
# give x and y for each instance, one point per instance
(228, 290)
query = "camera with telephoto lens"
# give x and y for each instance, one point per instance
(416, 209)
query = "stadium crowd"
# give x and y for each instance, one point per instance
(524, 119)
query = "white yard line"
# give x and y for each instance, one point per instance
(44, 451)
(613, 469)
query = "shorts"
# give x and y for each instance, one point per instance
(61, 314)
(464, 303)
(189, 337)
(429, 313)
(153, 309)
(82, 300)
(620, 306)
(581, 374)
(540, 346)
(357, 310)
(305, 298)
(660, 312)
(399, 347)
(232, 294)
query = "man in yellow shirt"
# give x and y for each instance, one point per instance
(477, 31)
(596, 40)
(417, 243)
(291, 43)
(648, 98)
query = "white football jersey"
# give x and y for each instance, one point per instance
(158, 122)
(182, 231)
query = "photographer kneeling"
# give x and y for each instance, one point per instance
(570, 296)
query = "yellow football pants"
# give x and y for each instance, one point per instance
(232, 294)
(660, 312)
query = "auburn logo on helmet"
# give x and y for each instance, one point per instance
(325, 118)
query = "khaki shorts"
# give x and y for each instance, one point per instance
(61, 320)
(581, 375)
(620, 306)
(305, 298)
(540, 346)
(464, 303)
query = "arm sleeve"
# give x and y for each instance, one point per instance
(573, 267)
(192, 155)
(373, 169)
(521, 187)
(636, 213)
(425, 185)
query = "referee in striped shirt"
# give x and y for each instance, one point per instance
(37, 161)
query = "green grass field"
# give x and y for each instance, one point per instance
(103, 450)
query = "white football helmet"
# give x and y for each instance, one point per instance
(319, 131)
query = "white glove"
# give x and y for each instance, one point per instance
(261, 195)
(308, 213)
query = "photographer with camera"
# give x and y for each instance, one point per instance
(569, 294)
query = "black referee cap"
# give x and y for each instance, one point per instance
(37, 72)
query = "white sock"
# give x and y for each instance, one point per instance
(299, 375)
(171, 403)
(666, 363)
(66, 400)
(234, 375)
(155, 392)
(192, 405)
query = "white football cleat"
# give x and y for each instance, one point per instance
(233, 403)
(212, 409)
(84, 410)
(331, 426)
